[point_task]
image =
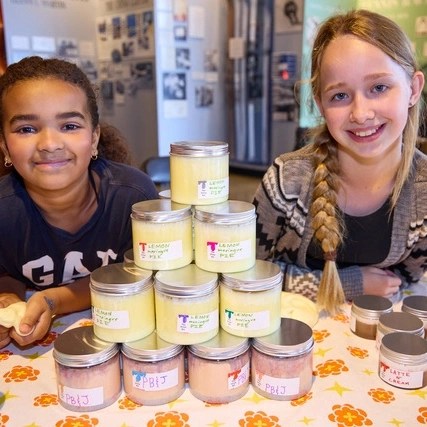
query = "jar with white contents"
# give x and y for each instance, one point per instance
(282, 362)
(250, 301)
(162, 234)
(153, 370)
(87, 370)
(199, 172)
(219, 369)
(224, 236)
(122, 298)
(186, 302)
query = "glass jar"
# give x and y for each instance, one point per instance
(365, 312)
(199, 172)
(87, 370)
(122, 299)
(403, 360)
(218, 369)
(186, 301)
(417, 305)
(153, 370)
(162, 234)
(282, 362)
(224, 236)
(250, 301)
(398, 322)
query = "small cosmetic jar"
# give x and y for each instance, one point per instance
(398, 322)
(365, 312)
(417, 305)
(153, 370)
(122, 298)
(403, 360)
(199, 172)
(162, 234)
(219, 369)
(282, 362)
(87, 370)
(186, 301)
(250, 301)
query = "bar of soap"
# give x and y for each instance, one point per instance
(296, 306)
(11, 316)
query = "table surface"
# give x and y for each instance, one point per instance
(346, 392)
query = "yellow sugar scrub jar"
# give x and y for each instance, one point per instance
(250, 301)
(87, 370)
(224, 236)
(162, 234)
(282, 362)
(186, 301)
(122, 299)
(199, 172)
(219, 369)
(153, 370)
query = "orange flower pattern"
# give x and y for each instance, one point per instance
(3, 420)
(330, 367)
(319, 336)
(382, 396)
(21, 373)
(80, 421)
(260, 418)
(348, 416)
(302, 399)
(422, 418)
(341, 317)
(358, 352)
(128, 404)
(4, 355)
(172, 418)
(46, 399)
(48, 339)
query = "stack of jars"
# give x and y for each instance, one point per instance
(192, 282)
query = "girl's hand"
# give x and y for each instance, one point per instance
(377, 281)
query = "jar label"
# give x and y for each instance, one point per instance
(156, 381)
(238, 377)
(399, 377)
(247, 321)
(212, 189)
(228, 251)
(277, 386)
(111, 319)
(161, 251)
(197, 323)
(81, 398)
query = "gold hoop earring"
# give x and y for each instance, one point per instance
(7, 163)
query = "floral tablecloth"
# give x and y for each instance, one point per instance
(346, 392)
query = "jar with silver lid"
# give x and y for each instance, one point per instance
(250, 301)
(87, 370)
(153, 370)
(162, 234)
(199, 172)
(186, 301)
(282, 362)
(224, 236)
(122, 299)
(403, 360)
(219, 369)
(365, 312)
(417, 305)
(398, 322)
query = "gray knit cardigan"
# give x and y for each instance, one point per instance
(284, 229)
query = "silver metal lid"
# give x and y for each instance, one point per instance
(80, 347)
(199, 148)
(401, 322)
(405, 348)
(150, 349)
(293, 338)
(160, 210)
(120, 279)
(371, 306)
(262, 276)
(416, 305)
(222, 346)
(188, 281)
(226, 213)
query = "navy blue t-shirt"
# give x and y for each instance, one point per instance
(42, 256)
